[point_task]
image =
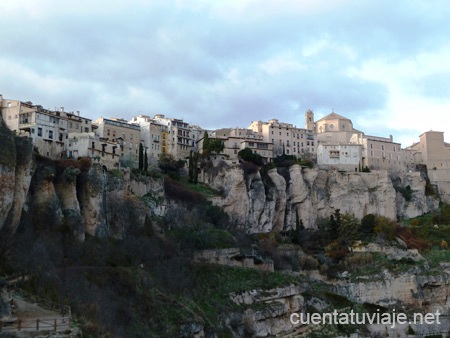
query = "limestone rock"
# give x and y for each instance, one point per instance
(279, 199)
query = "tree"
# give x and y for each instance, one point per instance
(206, 144)
(368, 223)
(141, 156)
(214, 145)
(248, 155)
(145, 161)
(349, 228)
(167, 163)
(193, 167)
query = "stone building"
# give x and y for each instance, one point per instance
(433, 152)
(237, 139)
(376, 152)
(287, 137)
(91, 145)
(126, 136)
(47, 128)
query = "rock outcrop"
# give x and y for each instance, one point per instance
(282, 197)
(267, 313)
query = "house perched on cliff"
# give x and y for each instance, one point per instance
(48, 129)
(237, 139)
(376, 152)
(286, 137)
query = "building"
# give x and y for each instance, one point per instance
(48, 129)
(286, 137)
(376, 152)
(345, 157)
(153, 134)
(90, 145)
(434, 153)
(126, 136)
(237, 139)
(180, 137)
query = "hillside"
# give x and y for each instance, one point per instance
(135, 254)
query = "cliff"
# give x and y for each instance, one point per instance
(279, 198)
(67, 194)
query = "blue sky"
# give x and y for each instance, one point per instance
(384, 64)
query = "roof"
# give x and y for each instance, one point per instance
(333, 116)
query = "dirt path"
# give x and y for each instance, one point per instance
(33, 317)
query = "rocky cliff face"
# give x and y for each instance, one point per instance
(91, 201)
(280, 198)
(73, 195)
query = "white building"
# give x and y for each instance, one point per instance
(340, 156)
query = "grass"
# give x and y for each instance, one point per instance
(201, 188)
(435, 256)
(378, 263)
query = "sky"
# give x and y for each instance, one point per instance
(226, 63)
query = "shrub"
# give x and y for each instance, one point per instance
(249, 167)
(406, 192)
(248, 155)
(176, 191)
(368, 224)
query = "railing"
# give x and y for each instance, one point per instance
(51, 323)
(38, 324)
(65, 310)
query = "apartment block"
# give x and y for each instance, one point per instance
(125, 135)
(181, 138)
(48, 129)
(286, 137)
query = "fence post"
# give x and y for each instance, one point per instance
(19, 324)
(1, 325)
(37, 324)
(55, 325)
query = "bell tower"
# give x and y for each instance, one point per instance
(309, 120)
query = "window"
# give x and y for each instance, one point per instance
(382, 147)
(50, 134)
(32, 130)
(39, 131)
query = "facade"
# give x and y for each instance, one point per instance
(433, 152)
(376, 152)
(48, 129)
(180, 137)
(237, 139)
(345, 157)
(125, 135)
(151, 135)
(287, 137)
(90, 145)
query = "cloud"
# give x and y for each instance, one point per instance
(227, 63)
